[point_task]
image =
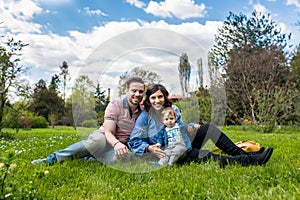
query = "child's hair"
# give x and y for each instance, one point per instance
(169, 111)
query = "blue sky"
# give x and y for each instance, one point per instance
(73, 30)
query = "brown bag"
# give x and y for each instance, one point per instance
(246, 145)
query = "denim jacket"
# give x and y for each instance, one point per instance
(163, 137)
(145, 131)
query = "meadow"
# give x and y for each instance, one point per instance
(78, 179)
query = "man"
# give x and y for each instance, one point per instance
(109, 143)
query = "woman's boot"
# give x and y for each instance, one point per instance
(249, 159)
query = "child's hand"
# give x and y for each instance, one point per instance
(155, 148)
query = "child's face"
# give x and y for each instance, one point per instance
(169, 120)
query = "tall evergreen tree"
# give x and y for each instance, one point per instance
(40, 96)
(101, 102)
(64, 72)
(184, 69)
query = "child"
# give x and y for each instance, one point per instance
(173, 137)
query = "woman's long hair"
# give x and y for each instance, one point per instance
(151, 90)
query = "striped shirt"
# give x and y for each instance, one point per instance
(119, 112)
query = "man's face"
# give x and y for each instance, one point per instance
(135, 93)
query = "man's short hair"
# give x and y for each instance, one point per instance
(134, 79)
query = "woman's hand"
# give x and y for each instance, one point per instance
(155, 148)
(193, 129)
(121, 150)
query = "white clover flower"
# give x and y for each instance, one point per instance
(12, 167)
(2, 165)
(46, 172)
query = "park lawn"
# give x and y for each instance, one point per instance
(77, 179)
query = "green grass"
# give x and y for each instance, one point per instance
(76, 179)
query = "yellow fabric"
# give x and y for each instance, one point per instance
(246, 145)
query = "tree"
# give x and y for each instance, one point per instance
(83, 101)
(46, 102)
(250, 51)
(295, 65)
(101, 102)
(200, 72)
(40, 99)
(10, 71)
(64, 72)
(238, 30)
(56, 103)
(184, 69)
(148, 77)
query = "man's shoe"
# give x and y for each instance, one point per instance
(49, 160)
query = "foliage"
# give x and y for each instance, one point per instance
(101, 102)
(64, 72)
(205, 106)
(189, 108)
(9, 187)
(46, 102)
(257, 31)
(147, 76)
(83, 101)
(184, 70)
(250, 51)
(10, 72)
(295, 65)
(89, 123)
(38, 121)
(78, 179)
(27, 120)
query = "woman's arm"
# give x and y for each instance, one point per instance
(140, 142)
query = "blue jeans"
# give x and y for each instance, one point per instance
(95, 147)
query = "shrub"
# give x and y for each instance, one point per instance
(89, 123)
(38, 121)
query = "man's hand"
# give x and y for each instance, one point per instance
(121, 150)
(155, 148)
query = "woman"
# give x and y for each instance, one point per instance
(144, 135)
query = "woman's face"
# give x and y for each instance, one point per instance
(157, 100)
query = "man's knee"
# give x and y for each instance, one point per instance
(95, 142)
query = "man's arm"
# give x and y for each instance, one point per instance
(121, 149)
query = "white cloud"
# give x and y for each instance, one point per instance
(46, 51)
(293, 2)
(54, 2)
(182, 9)
(90, 12)
(261, 9)
(16, 15)
(136, 3)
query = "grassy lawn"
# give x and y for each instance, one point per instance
(77, 179)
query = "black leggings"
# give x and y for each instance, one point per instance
(204, 133)
(210, 131)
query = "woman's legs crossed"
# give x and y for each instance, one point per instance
(210, 131)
